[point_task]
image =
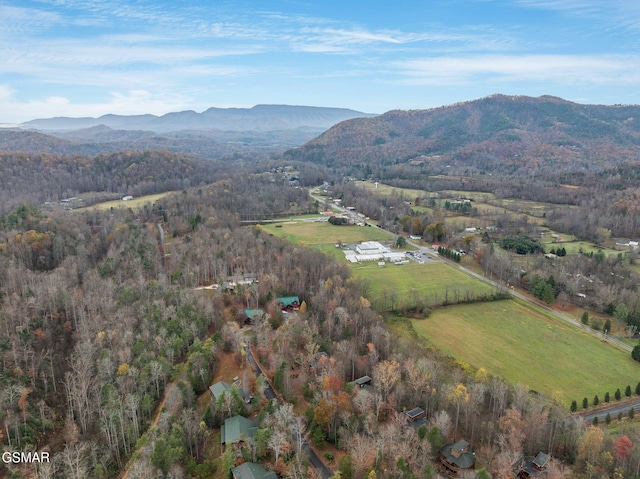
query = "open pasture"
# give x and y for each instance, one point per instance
(386, 190)
(431, 283)
(133, 204)
(324, 233)
(523, 344)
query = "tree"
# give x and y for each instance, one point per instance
(635, 354)
(596, 400)
(401, 241)
(607, 397)
(617, 394)
(585, 403)
(627, 391)
(585, 318)
(574, 406)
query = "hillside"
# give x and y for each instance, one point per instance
(499, 133)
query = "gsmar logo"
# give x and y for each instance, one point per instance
(16, 457)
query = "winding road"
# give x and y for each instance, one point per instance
(269, 393)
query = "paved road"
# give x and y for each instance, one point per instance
(270, 394)
(613, 410)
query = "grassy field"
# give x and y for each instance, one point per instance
(431, 282)
(525, 345)
(133, 204)
(386, 190)
(324, 233)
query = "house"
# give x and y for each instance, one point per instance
(363, 381)
(319, 361)
(416, 418)
(253, 315)
(219, 388)
(532, 467)
(237, 429)
(251, 470)
(457, 457)
(288, 303)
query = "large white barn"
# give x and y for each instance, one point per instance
(373, 251)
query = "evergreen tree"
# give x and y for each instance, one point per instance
(632, 413)
(585, 403)
(596, 400)
(607, 419)
(574, 406)
(607, 398)
(617, 394)
(585, 318)
(627, 391)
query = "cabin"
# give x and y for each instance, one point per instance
(251, 470)
(457, 457)
(219, 388)
(363, 381)
(288, 303)
(253, 315)
(533, 467)
(236, 430)
(416, 418)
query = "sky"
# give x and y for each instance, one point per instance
(92, 57)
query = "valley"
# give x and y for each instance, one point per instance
(482, 278)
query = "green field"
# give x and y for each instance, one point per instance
(324, 233)
(432, 283)
(133, 204)
(525, 345)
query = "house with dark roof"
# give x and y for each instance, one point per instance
(534, 467)
(251, 470)
(237, 429)
(457, 457)
(363, 381)
(416, 418)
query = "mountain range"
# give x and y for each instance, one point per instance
(496, 134)
(258, 118)
(256, 132)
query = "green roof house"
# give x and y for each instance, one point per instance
(457, 457)
(236, 429)
(251, 470)
(218, 388)
(288, 302)
(253, 314)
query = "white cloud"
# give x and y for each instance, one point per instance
(564, 69)
(122, 103)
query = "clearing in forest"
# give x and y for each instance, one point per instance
(432, 283)
(324, 233)
(135, 203)
(524, 344)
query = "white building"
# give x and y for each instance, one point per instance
(373, 251)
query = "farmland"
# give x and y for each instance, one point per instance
(133, 204)
(543, 353)
(324, 233)
(431, 283)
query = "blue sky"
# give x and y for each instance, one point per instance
(92, 57)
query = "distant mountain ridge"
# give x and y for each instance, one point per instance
(499, 133)
(258, 118)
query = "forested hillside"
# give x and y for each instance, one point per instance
(498, 134)
(39, 177)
